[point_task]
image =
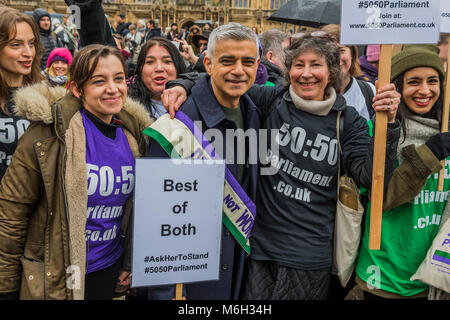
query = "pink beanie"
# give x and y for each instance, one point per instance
(373, 52)
(59, 54)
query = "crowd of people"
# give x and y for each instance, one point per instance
(74, 105)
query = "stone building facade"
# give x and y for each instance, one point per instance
(253, 13)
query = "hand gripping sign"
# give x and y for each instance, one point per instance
(388, 23)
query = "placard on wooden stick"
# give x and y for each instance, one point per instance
(179, 291)
(379, 154)
(386, 23)
(177, 222)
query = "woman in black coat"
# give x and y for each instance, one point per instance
(296, 197)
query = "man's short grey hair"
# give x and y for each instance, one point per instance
(272, 40)
(231, 31)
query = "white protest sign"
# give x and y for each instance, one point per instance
(390, 22)
(177, 221)
(445, 16)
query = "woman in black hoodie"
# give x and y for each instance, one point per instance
(48, 38)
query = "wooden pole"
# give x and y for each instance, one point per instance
(445, 115)
(379, 154)
(179, 292)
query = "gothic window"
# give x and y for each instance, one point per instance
(240, 3)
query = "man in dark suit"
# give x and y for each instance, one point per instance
(218, 102)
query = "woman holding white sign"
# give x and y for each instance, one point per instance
(66, 198)
(292, 241)
(411, 215)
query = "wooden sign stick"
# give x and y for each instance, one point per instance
(445, 115)
(179, 292)
(379, 154)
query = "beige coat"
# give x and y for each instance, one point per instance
(43, 196)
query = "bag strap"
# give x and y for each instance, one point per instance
(367, 92)
(339, 132)
(339, 129)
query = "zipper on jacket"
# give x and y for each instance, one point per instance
(43, 238)
(63, 188)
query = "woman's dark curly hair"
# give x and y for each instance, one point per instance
(321, 45)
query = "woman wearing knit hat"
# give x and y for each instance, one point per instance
(411, 215)
(57, 70)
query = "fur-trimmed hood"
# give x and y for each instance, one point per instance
(35, 104)
(58, 191)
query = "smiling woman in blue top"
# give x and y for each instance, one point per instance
(411, 221)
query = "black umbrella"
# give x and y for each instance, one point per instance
(310, 13)
(201, 23)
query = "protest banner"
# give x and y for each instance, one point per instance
(387, 23)
(445, 28)
(445, 16)
(177, 221)
(390, 22)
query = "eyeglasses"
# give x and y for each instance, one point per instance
(295, 36)
(321, 34)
